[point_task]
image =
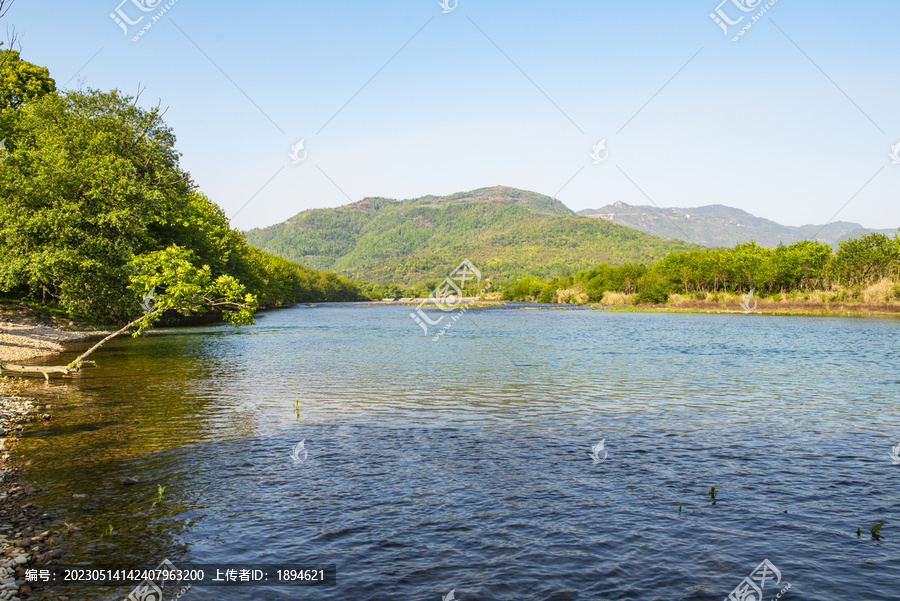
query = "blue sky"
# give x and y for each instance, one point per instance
(793, 122)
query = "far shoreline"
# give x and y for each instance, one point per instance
(762, 307)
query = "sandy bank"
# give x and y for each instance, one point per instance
(24, 337)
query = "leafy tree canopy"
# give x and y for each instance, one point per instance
(21, 81)
(167, 280)
(90, 180)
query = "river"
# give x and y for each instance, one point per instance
(464, 464)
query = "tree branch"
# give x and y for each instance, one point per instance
(5, 5)
(76, 364)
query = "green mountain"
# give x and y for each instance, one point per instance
(505, 232)
(718, 225)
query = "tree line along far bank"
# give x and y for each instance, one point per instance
(800, 268)
(91, 188)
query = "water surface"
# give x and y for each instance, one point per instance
(465, 463)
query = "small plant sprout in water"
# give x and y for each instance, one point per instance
(712, 494)
(108, 531)
(895, 454)
(875, 529)
(300, 453)
(160, 489)
(449, 596)
(596, 450)
(297, 407)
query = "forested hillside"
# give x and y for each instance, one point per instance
(506, 232)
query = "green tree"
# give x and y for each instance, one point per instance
(20, 81)
(801, 265)
(167, 280)
(750, 266)
(653, 288)
(526, 289)
(867, 259)
(90, 179)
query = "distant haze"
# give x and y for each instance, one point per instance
(718, 225)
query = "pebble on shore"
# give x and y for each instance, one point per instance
(19, 342)
(29, 538)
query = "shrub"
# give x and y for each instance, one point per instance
(547, 295)
(655, 293)
(882, 292)
(575, 295)
(615, 298)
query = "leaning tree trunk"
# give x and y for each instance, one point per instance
(65, 370)
(6, 368)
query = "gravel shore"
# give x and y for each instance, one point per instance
(29, 538)
(23, 337)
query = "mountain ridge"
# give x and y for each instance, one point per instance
(510, 233)
(720, 225)
(505, 231)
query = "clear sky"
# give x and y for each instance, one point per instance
(794, 122)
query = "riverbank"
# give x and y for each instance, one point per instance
(813, 306)
(26, 335)
(29, 538)
(714, 304)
